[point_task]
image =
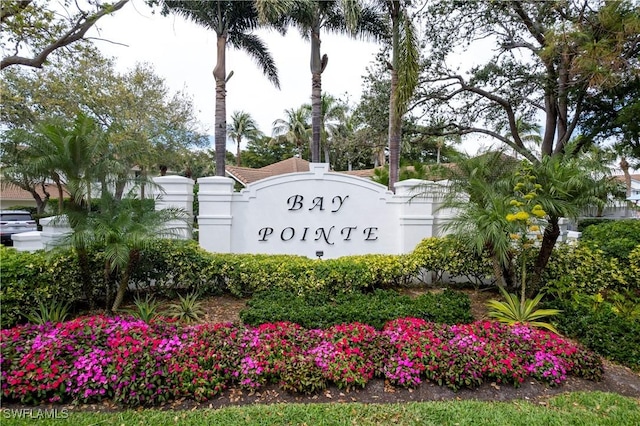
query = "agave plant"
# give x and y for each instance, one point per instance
(54, 311)
(188, 309)
(147, 309)
(513, 311)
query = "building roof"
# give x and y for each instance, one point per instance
(366, 173)
(633, 177)
(9, 191)
(247, 175)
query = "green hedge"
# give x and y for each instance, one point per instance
(449, 256)
(617, 239)
(587, 222)
(579, 268)
(601, 330)
(178, 266)
(323, 309)
(31, 277)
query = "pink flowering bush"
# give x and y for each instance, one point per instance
(133, 363)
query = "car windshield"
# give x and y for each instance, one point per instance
(15, 217)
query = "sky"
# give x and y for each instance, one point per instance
(184, 55)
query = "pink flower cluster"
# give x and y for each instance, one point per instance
(133, 363)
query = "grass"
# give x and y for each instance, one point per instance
(579, 408)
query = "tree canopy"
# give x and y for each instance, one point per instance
(33, 29)
(550, 59)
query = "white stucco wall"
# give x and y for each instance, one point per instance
(303, 213)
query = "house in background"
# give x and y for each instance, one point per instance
(11, 196)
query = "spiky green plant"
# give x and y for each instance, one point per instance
(626, 305)
(52, 311)
(147, 309)
(513, 311)
(188, 309)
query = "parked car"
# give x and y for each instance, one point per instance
(15, 222)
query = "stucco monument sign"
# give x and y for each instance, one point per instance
(311, 212)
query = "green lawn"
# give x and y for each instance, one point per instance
(593, 408)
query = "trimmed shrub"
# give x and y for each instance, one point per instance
(587, 222)
(633, 273)
(169, 267)
(31, 278)
(616, 239)
(581, 269)
(449, 256)
(601, 330)
(322, 309)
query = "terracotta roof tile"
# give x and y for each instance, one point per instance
(290, 165)
(633, 177)
(367, 173)
(246, 175)
(9, 191)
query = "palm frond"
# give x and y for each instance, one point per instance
(256, 48)
(408, 64)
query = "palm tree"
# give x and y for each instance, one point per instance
(242, 126)
(233, 23)
(528, 132)
(481, 222)
(404, 67)
(17, 150)
(294, 128)
(121, 229)
(567, 188)
(76, 157)
(332, 112)
(312, 16)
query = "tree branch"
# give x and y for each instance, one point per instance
(520, 149)
(74, 34)
(533, 28)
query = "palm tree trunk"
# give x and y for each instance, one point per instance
(624, 165)
(41, 203)
(122, 288)
(85, 276)
(107, 282)
(56, 179)
(394, 118)
(220, 134)
(394, 134)
(316, 94)
(316, 90)
(551, 234)
(238, 153)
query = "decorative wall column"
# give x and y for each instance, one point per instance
(214, 219)
(419, 217)
(176, 192)
(53, 230)
(27, 241)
